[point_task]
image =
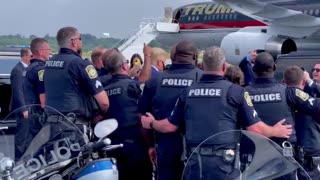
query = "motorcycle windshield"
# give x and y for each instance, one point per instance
(240, 154)
(6, 150)
(45, 140)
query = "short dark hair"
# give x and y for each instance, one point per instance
(64, 35)
(36, 43)
(293, 75)
(264, 65)
(185, 52)
(24, 52)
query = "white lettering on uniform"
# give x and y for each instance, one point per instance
(205, 92)
(273, 97)
(34, 164)
(311, 101)
(176, 82)
(114, 91)
(98, 84)
(56, 64)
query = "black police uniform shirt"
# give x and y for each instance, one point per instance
(102, 71)
(274, 101)
(123, 93)
(313, 90)
(34, 84)
(70, 83)
(169, 85)
(307, 118)
(210, 106)
(164, 92)
(269, 99)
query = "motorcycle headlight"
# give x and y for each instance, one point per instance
(6, 164)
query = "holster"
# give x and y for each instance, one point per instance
(299, 155)
(312, 161)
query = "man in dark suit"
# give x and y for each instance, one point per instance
(158, 59)
(17, 80)
(246, 65)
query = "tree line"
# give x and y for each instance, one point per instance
(89, 41)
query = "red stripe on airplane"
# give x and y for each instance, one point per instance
(212, 25)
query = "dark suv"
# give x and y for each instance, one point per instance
(7, 61)
(304, 59)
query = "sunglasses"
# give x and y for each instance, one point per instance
(316, 69)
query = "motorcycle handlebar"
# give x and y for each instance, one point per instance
(4, 127)
(100, 144)
(112, 147)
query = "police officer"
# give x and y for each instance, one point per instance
(193, 112)
(123, 92)
(34, 85)
(308, 130)
(72, 84)
(164, 92)
(269, 96)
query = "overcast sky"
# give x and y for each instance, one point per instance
(117, 17)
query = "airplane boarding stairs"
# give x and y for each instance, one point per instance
(135, 43)
(147, 32)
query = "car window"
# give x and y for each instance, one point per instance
(7, 63)
(305, 62)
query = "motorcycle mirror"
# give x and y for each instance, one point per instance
(105, 127)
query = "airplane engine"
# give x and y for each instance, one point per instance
(237, 45)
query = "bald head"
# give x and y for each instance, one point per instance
(185, 52)
(213, 59)
(173, 53)
(264, 65)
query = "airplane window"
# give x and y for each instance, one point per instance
(230, 16)
(205, 17)
(316, 12)
(218, 16)
(193, 18)
(189, 18)
(305, 11)
(197, 18)
(222, 16)
(213, 17)
(311, 11)
(209, 18)
(235, 16)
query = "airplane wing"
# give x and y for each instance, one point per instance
(271, 14)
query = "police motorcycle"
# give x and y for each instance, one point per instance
(61, 149)
(6, 163)
(241, 155)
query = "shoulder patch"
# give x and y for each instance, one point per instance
(91, 71)
(247, 98)
(302, 95)
(40, 75)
